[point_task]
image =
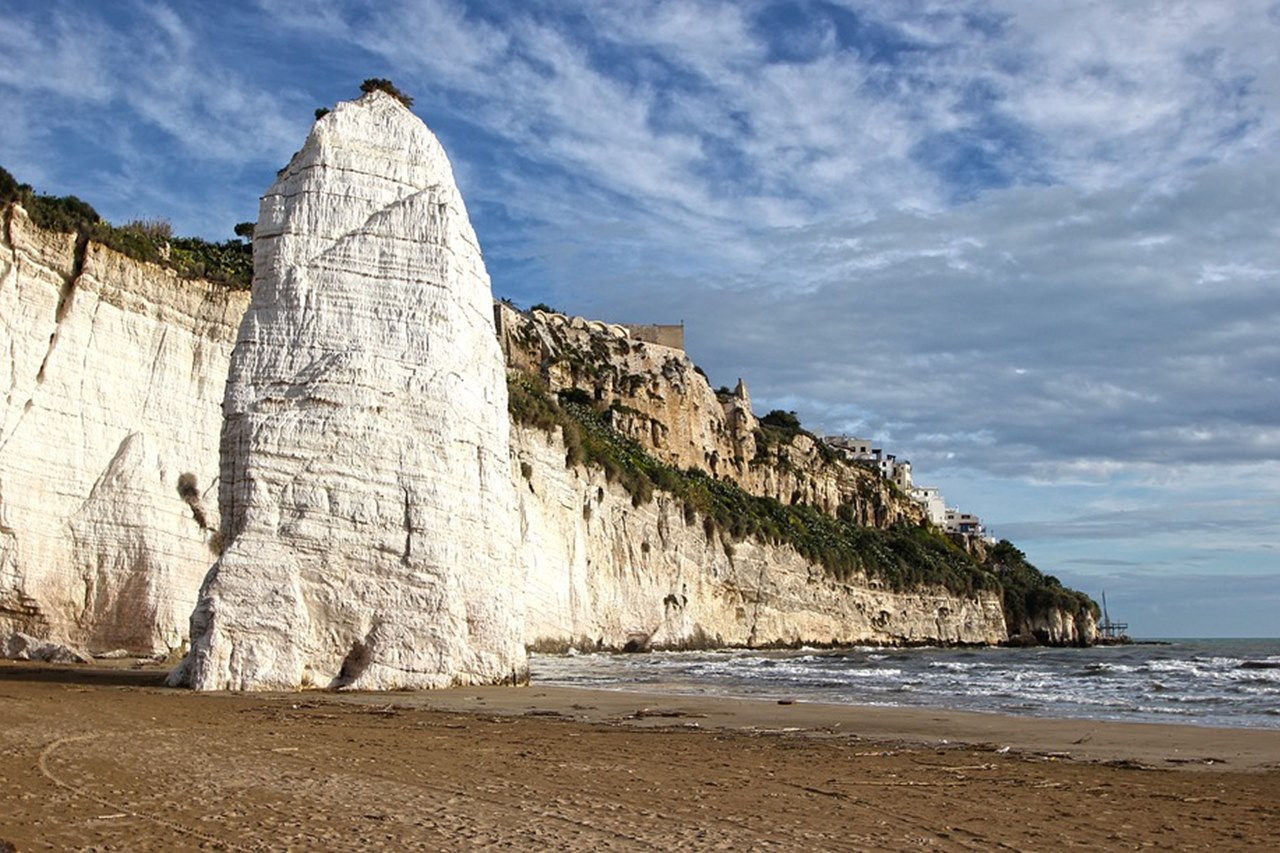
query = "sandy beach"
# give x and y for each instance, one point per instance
(105, 758)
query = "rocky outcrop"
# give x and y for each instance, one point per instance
(367, 507)
(113, 373)
(1055, 626)
(604, 572)
(19, 646)
(657, 397)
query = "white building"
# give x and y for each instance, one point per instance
(864, 450)
(934, 505)
(898, 472)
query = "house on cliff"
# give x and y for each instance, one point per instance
(931, 499)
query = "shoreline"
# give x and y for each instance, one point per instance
(1180, 745)
(107, 758)
(1169, 745)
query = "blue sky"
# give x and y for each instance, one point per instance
(1034, 247)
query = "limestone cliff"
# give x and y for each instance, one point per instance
(113, 372)
(603, 571)
(367, 507)
(1038, 609)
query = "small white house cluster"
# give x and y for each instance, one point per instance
(949, 518)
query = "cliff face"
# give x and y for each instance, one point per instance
(367, 507)
(657, 397)
(598, 571)
(384, 524)
(114, 372)
(602, 572)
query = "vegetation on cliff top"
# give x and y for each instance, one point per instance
(229, 262)
(905, 557)
(902, 558)
(382, 84)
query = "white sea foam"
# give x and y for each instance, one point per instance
(1204, 682)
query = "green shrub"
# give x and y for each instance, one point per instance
(385, 85)
(229, 263)
(902, 558)
(8, 186)
(787, 422)
(1027, 592)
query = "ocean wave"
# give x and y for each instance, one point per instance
(1165, 711)
(1257, 687)
(887, 672)
(954, 666)
(1205, 683)
(1207, 699)
(1095, 670)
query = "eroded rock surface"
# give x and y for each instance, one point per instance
(111, 373)
(657, 397)
(19, 646)
(367, 505)
(602, 572)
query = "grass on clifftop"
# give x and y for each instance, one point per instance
(229, 262)
(902, 558)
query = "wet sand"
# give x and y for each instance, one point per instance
(105, 758)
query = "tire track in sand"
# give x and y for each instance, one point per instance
(42, 763)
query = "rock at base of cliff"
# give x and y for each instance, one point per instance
(19, 646)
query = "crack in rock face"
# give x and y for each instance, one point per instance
(365, 499)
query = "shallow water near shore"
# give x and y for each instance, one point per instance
(1227, 682)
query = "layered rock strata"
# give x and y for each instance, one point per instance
(1057, 627)
(601, 572)
(113, 373)
(367, 505)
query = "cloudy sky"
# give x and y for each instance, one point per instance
(1034, 247)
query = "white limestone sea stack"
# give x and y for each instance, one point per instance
(367, 508)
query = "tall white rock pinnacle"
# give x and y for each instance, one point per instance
(368, 511)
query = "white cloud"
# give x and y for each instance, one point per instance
(1137, 91)
(57, 58)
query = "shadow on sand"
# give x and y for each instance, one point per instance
(95, 674)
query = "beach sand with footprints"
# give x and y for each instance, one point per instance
(105, 758)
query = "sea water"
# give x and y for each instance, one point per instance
(1201, 682)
